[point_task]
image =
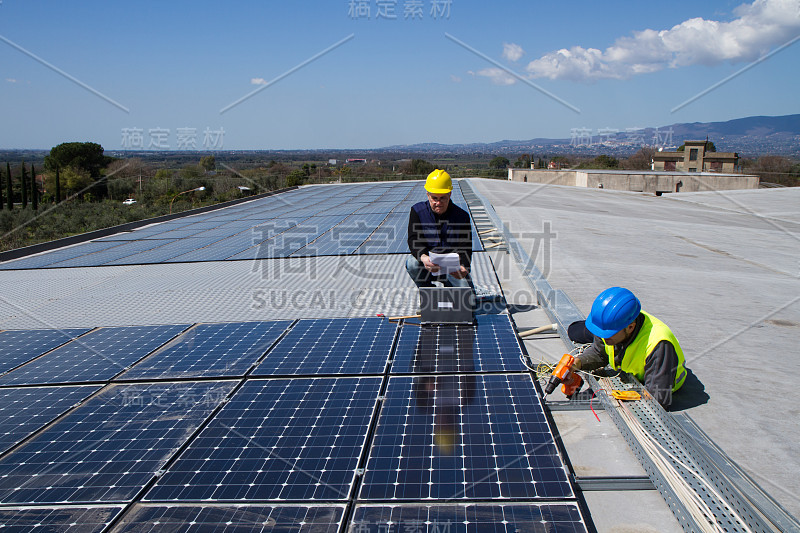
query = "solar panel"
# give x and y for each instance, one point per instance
(108, 449)
(549, 517)
(489, 346)
(460, 437)
(25, 410)
(99, 355)
(112, 254)
(291, 240)
(232, 518)
(62, 254)
(166, 251)
(82, 519)
(20, 346)
(344, 238)
(279, 439)
(211, 350)
(331, 346)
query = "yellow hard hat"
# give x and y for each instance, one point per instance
(439, 182)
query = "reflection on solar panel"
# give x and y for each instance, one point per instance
(555, 518)
(491, 346)
(110, 447)
(333, 346)
(232, 518)
(21, 346)
(463, 437)
(211, 350)
(124, 249)
(24, 410)
(284, 439)
(82, 519)
(99, 355)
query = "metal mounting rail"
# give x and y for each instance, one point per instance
(489, 234)
(739, 496)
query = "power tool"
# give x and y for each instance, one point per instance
(570, 381)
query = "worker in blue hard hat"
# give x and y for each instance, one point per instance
(438, 225)
(629, 339)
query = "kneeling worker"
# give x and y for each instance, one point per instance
(438, 225)
(628, 339)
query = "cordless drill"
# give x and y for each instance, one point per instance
(570, 380)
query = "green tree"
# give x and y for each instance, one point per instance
(499, 162)
(9, 187)
(295, 177)
(76, 181)
(58, 187)
(24, 187)
(34, 190)
(606, 161)
(420, 167)
(163, 174)
(523, 161)
(85, 156)
(208, 163)
(641, 160)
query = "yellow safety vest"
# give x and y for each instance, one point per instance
(650, 334)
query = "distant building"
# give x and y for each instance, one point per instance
(332, 162)
(695, 158)
(353, 161)
(655, 182)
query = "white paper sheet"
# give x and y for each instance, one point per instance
(447, 263)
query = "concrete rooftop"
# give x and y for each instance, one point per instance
(721, 268)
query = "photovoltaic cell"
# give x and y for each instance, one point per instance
(457, 518)
(25, 410)
(125, 249)
(280, 439)
(62, 254)
(20, 346)
(108, 449)
(489, 346)
(99, 355)
(78, 519)
(460, 437)
(232, 518)
(331, 346)
(211, 350)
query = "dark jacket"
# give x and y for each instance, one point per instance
(659, 369)
(450, 232)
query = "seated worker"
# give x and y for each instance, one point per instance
(628, 339)
(438, 225)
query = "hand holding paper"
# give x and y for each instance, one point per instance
(447, 263)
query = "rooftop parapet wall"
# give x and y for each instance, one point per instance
(652, 182)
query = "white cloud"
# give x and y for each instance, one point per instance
(258, 81)
(512, 52)
(759, 27)
(11, 80)
(455, 78)
(497, 75)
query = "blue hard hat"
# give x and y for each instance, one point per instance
(612, 311)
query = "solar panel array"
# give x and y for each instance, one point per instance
(365, 218)
(309, 425)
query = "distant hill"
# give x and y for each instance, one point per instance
(749, 136)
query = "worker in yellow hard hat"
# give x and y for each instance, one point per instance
(437, 225)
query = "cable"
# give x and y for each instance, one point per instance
(699, 510)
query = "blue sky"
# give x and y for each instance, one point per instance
(175, 65)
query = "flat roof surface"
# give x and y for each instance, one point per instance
(722, 269)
